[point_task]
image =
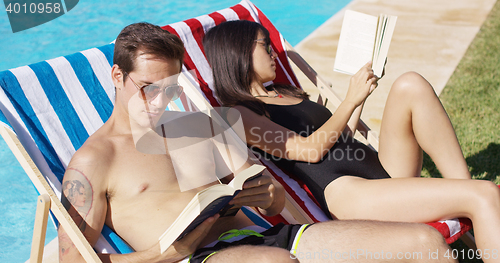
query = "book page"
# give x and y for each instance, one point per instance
(204, 205)
(389, 25)
(356, 42)
(207, 203)
(378, 39)
(247, 174)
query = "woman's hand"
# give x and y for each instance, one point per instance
(361, 85)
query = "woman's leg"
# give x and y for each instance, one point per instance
(414, 119)
(420, 200)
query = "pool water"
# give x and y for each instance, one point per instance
(95, 23)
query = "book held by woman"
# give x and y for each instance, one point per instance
(364, 38)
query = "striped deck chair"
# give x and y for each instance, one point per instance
(199, 95)
(47, 111)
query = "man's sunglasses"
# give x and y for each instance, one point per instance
(151, 91)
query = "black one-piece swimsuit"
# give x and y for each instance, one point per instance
(347, 157)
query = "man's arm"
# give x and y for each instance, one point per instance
(232, 156)
(175, 253)
(84, 196)
(263, 192)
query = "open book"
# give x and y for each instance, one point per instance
(363, 38)
(207, 203)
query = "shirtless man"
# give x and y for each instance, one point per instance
(130, 180)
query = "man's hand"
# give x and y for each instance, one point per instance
(187, 245)
(259, 192)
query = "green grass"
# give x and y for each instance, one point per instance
(472, 100)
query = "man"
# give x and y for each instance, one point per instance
(133, 171)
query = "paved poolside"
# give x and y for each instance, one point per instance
(430, 37)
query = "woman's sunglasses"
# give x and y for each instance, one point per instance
(266, 45)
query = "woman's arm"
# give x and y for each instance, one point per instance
(262, 133)
(352, 124)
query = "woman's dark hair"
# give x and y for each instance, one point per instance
(145, 38)
(229, 48)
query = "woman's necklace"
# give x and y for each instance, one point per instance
(269, 96)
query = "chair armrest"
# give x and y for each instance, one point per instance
(40, 228)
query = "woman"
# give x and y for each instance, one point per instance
(306, 139)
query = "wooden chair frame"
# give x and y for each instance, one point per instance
(47, 199)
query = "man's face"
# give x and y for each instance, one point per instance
(146, 103)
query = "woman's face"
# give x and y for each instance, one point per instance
(264, 65)
(80, 197)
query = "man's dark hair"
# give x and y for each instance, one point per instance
(145, 38)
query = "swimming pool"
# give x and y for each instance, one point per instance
(94, 23)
